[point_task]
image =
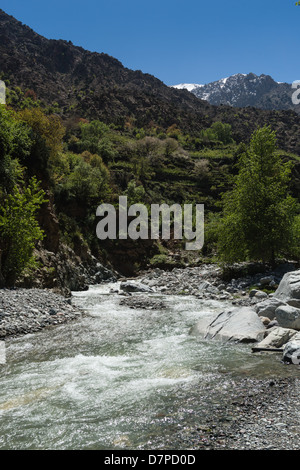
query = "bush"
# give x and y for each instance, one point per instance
(19, 230)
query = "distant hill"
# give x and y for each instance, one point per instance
(96, 86)
(241, 90)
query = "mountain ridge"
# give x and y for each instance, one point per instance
(242, 90)
(94, 85)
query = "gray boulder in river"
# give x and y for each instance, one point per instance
(289, 289)
(129, 286)
(288, 316)
(241, 325)
(291, 351)
(277, 337)
(268, 307)
(285, 303)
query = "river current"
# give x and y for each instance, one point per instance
(118, 378)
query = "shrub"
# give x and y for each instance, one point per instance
(19, 230)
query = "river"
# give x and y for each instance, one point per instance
(118, 378)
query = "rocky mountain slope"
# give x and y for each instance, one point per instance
(96, 86)
(241, 90)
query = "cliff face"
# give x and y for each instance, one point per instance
(60, 267)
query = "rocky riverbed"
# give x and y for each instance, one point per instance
(244, 413)
(253, 414)
(250, 414)
(24, 311)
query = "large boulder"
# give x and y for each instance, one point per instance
(288, 317)
(130, 286)
(289, 289)
(277, 337)
(268, 307)
(291, 351)
(240, 325)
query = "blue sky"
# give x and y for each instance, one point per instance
(176, 41)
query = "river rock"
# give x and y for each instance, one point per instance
(266, 321)
(267, 308)
(261, 295)
(289, 289)
(291, 351)
(258, 294)
(266, 281)
(288, 316)
(129, 286)
(240, 325)
(277, 337)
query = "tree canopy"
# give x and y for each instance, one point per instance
(259, 213)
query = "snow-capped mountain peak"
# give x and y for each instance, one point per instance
(243, 90)
(187, 86)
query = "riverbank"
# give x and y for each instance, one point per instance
(250, 414)
(24, 311)
(28, 310)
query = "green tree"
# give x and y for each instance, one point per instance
(95, 139)
(15, 145)
(88, 181)
(19, 230)
(259, 214)
(222, 132)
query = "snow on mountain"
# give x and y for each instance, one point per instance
(243, 90)
(187, 86)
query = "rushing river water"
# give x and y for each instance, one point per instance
(119, 378)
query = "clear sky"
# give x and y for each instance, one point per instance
(196, 41)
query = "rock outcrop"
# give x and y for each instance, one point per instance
(65, 271)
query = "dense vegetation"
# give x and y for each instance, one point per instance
(78, 164)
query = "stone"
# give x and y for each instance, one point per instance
(272, 324)
(265, 320)
(252, 293)
(261, 295)
(289, 289)
(265, 281)
(240, 324)
(129, 286)
(267, 308)
(277, 338)
(288, 317)
(291, 351)
(204, 285)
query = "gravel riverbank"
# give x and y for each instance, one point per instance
(24, 311)
(251, 414)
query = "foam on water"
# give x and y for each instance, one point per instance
(109, 380)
